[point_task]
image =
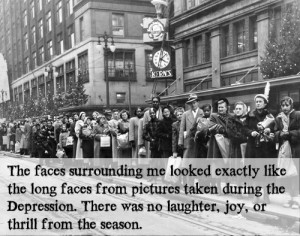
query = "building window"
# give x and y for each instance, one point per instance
(225, 41)
(121, 97)
(49, 21)
(83, 66)
(42, 89)
(70, 5)
(40, 4)
(81, 29)
(120, 64)
(253, 33)
(198, 50)
(32, 9)
(26, 91)
(26, 65)
(71, 36)
(41, 34)
(25, 17)
(60, 42)
(26, 41)
(229, 80)
(34, 88)
(33, 35)
(34, 60)
(240, 36)
(59, 12)
(148, 60)
(16, 94)
(20, 90)
(70, 75)
(42, 56)
(118, 24)
(188, 53)
(277, 22)
(60, 82)
(207, 47)
(20, 69)
(50, 49)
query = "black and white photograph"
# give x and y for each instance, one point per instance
(150, 117)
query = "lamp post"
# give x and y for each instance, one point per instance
(105, 39)
(3, 92)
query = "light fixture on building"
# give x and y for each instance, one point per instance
(50, 69)
(159, 7)
(105, 38)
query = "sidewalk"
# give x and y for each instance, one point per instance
(275, 213)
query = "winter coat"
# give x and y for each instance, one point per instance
(98, 131)
(87, 138)
(133, 135)
(175, 136)
(294, 132)
(187, 122)
(63, 138)
(265, 149)
(150, 134)
(164, 134)
(222, 122)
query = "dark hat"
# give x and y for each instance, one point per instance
(107, 112)
(222, 100)
(192, 97)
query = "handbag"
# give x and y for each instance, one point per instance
(105, 141)
(176, 162)
(60, 153)
(285, 160)
(123, 141)
(17, 147)
(70, 141)
(5, 140)
(223, 144)
(142, 152)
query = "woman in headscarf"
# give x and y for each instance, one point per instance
(124, 154)
(218, 126)
(287, 128)
(133, 132)
(259, 129)
(78, 126)
(101, 130)
(95, 116)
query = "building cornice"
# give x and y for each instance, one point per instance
(130, 2)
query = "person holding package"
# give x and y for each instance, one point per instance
(218, 129)
(287, 132)
(259, 129)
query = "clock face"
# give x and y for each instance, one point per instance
(161, 59)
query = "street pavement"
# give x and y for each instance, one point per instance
(158, 223)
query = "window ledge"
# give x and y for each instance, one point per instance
(197, 67)
(240, 56)
(124, 79)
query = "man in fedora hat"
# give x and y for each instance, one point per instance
(188, 120)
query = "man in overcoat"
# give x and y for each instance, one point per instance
(188, 120)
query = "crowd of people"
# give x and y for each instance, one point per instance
(160, 132)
